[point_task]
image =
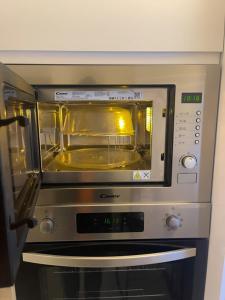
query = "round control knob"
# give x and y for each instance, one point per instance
(46, 225)
(189, 162)
(173, 222)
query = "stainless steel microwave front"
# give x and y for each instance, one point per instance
(129, 134)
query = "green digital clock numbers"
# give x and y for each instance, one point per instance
(191, 98)
(111, 221)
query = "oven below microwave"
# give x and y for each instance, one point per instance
(144, 269)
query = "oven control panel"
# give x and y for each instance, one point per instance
(110, 222)
(113, 222)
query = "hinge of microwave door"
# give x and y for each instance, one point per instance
(30, 222)
(164, 111)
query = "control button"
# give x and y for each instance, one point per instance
(197, 127)
(197, 134)
(196, 141)
(198, 112)
(173, 222)
(46, 226)
(198, 120)
(189, 162)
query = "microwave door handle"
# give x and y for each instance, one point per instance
(23, 121)
(108, 261)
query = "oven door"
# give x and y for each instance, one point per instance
(107, 270)
(19, 170)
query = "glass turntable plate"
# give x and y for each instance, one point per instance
(97, 158)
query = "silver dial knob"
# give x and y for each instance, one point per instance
(46, 226)
(173, 222)
(189, 162)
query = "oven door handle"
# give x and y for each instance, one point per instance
(109, 261)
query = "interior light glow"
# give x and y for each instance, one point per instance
(121, 123)
(149, 119)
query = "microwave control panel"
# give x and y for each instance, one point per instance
(188, 128)
(187, 137)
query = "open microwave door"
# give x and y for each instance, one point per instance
(19, 170)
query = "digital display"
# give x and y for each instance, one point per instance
(110, 222)
(191, 98)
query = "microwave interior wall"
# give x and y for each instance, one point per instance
(109, 139)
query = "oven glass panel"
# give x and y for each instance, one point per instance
(160, 282)
(164, 281)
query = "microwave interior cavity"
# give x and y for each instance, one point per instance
(106, 135)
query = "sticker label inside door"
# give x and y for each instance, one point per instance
(98, 95)
(141, 175)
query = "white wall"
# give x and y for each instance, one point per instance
(215, 283)
(112, 25)
(8, 294)
(222, 290)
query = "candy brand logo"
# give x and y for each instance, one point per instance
(109, 196)
(61, 93)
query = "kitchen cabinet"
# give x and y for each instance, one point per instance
(113, 25)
